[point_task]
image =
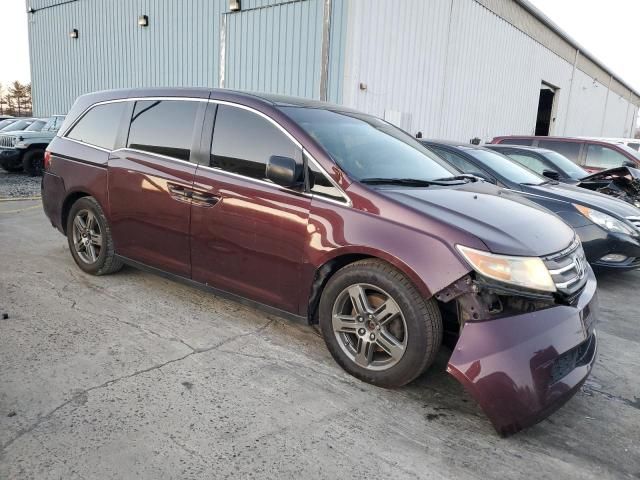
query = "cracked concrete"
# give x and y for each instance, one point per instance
(135, 376)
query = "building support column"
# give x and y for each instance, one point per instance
(569, 100)
(606, 105)
(324, 53)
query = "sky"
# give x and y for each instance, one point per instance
(607, 29)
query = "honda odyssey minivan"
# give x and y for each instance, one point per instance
(337, 218)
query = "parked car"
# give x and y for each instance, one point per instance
(592, 155)
(24, 150)
(5, 117)
(621, 182)
(633, 143)
(609, 228)
(17, 125)
(545, 162)
(331, 216)
(6, 122)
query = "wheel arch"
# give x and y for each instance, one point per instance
(340, 260)
(67, 203)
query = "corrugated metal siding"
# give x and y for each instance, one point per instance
(179, 48)
(460, 71)
(275, 49)
(272, 46)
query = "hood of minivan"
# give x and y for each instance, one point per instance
(588, 198)
(507, 223)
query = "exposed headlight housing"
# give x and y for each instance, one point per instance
(607, 222)
(526, 272)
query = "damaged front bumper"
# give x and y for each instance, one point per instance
(621, 182)
(520, 368)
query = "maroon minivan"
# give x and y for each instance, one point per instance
(331, 216)
(591, 154)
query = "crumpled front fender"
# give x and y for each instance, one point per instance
(522, 368)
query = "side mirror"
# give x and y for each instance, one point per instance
(630, 164)
(284, 171)
(485, 177)
(552, 174)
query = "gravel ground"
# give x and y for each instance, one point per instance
(17, 185)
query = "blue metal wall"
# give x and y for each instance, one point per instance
(272, 46)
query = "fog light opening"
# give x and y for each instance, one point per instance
(614, 258)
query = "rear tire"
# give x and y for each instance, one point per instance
(89, 238)
(11, 167)
(33, 162)
(376, 324)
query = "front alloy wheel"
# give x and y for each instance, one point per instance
(377, 325)
(369, 326)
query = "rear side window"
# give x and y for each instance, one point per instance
(517, 141)
(99, 126)
(571, 150)
(165, 127)
(243, 141)
(529, 161)
(600, 156)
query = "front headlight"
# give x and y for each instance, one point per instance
(527, 272)
(607, 222)
(20, 145)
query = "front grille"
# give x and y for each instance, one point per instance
(568, 269)
(7, 141)
(635, 221)
(576, 357)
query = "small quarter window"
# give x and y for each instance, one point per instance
(99, 126)
(164, 127)
(320, 185)
(243, 141)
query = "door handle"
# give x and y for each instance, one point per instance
(178, 192)
(204, 199)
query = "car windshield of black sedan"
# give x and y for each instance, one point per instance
(570, 168)
(506, 167)
(366, 147)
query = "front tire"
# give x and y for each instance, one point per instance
(33, 162)
(377, 325)
(89, 238)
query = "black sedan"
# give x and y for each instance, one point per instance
(619, 182)
(544, 162)
(609, 228)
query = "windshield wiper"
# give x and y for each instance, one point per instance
(465, 176)
(409, 182)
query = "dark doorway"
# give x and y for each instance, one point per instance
(545, 110)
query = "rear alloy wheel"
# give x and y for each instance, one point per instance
(376, 324)
(89, 238)
(33, 162)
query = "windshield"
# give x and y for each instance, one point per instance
(505, 167)
(6, 122)
(562, 162)
(366, 147)
(35, 126)
(15, 126)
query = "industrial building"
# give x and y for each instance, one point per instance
(455, 69)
